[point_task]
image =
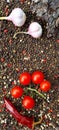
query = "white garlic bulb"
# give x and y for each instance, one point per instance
(17, 16)
(35, 30)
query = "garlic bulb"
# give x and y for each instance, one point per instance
(17, 16)
(35, 30)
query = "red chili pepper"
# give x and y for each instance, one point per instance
(19, 117)
(22, 1)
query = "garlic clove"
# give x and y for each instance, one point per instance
(35, 30)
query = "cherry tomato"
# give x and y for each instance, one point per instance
(37, 77)
(45, 85)
(25, 78)
(28, 102)
(16, 91)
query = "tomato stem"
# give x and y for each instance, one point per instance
(36, 123)
(40, 94)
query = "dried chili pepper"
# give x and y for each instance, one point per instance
(27, 121)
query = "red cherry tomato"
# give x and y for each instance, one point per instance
(37, 77)
(45, 85)
(28, 102)
(16, 92)
(25, 78)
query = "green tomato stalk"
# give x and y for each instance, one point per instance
(40, 94)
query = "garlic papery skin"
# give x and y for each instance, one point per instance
(35, 30)
(17, 16)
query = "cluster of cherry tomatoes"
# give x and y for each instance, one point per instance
(25, 78)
